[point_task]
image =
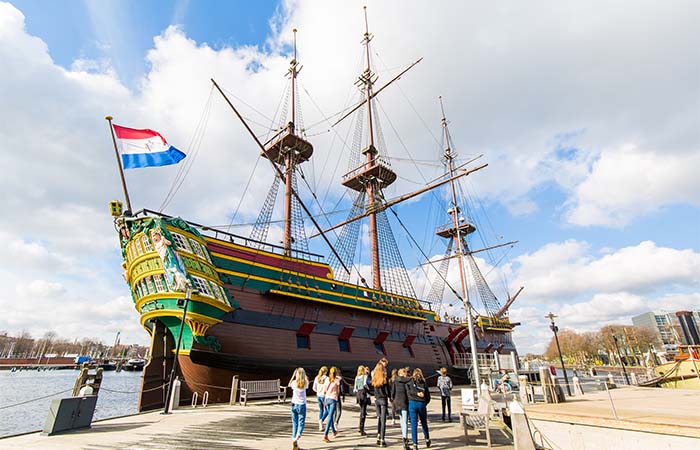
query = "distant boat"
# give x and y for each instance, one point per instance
(134, 365)
(681, 373)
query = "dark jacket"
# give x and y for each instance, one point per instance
(414, 387)
(398, 393)
(382, 392)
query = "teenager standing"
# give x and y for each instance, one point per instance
(400, 401)
(332, 394)
(320, 389)
(381, 397)
(444, 384)
(362, 395)
(299, 384)
(418, 399)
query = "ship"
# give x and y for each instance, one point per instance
(219, 305)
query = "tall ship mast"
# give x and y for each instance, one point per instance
(229, 305)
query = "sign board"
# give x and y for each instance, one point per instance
(468, 399)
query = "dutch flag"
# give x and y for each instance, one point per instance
(145, 148)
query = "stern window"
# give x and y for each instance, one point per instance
(203, 287)
(181, 242)
(146, 243)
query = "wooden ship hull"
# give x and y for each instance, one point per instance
(271, 314)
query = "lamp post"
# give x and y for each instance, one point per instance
(184, 304)
(621, 362)
(554, 328)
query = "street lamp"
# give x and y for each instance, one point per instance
(184, 304)
(620, 356)
(554, 328)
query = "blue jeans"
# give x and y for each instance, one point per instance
(298, 420)
(328, 413)
(417, 410)
(321, 408)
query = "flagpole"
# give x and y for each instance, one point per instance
(119, 164)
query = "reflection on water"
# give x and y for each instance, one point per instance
(26, 385)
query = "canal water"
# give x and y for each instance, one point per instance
(16, 387)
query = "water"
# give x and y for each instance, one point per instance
(26, 385)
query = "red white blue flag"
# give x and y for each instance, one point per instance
(145, 148)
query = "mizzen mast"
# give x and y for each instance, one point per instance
(456, 231)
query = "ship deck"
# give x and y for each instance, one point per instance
(260, 425)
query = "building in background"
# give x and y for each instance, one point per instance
(666, 326)
(689, 321)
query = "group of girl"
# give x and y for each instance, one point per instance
(406, 392)
(408, 396)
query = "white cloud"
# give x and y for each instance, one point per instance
(562, 269)
(556, 94)
(626, 183)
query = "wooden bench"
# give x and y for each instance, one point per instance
(262, 389)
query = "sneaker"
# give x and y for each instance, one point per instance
(428, 443)
(295, 446)
(320, 425)
(379, 439)
(335, 433)
(325, 439)
(383, 444)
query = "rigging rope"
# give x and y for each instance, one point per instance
(192, 151)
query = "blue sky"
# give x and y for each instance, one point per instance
(75, 29)
(588, 121)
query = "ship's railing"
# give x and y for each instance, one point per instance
(486, 362)
(451, 225)
(379, 161)
(237, 239)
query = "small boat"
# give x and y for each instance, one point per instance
(134, 365)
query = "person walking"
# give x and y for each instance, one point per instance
(418, 399)
(399, 398)
(444, 384)
(382, 393)
(319, 388)
(392, 408)
(299, 384)
(362, 394)
(332, 393)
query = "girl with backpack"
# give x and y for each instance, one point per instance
(418, 399)
(362, 395)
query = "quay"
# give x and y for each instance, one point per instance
(629, 418)
(262, 425)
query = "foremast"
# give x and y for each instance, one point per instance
(286, 149)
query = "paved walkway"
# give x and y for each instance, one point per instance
(259, 426)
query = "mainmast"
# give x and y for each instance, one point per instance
(374, 175)
(456, 232)
(288, 149)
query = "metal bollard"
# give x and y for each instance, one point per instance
(205, 399)
(578, 389)
(195, 396)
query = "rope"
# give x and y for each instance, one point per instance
(35, 399)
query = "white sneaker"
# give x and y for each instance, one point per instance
(320, 425)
